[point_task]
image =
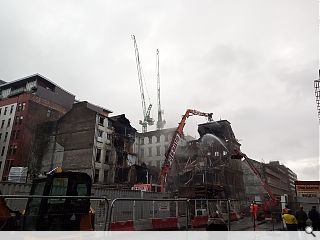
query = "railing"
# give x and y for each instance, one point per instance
(94, 203)
(169, 219)
(165, 214)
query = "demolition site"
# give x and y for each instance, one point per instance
(72, 165)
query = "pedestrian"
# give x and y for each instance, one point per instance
(286, 209)
(301, 217)
(290, 221)
(314, 217)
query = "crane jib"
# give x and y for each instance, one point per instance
(173, 148)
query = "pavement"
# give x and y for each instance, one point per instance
(247, 224)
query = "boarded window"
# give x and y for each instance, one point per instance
(150, 151)
(98, 155)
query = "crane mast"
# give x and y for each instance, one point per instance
(147, 120)
(161, 122)
(317, 93)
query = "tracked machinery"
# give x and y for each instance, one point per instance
(170, 154)
(265, 208)
(59, 201)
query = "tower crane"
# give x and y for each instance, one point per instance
(317, 93)
(147, 120)
(161, 122)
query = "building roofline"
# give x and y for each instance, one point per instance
(93, 107)
(31, 76)
(155, 131)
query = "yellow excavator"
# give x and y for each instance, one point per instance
(60, 201)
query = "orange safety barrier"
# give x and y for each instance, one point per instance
(122, 226)
(199, 221)
(170, 223)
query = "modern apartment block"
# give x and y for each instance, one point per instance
(24, 103)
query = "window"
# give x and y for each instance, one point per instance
(5, 137)
(166, 137)
(142, 141)
(224, 153)
(23, 106)
(107, 157)
(142, 152)
(109, 137)
(20, 120)
(105, 177)
(150, 139)
(98, 155)
(2, 151)
(158, 139)
(49, 113)
(216, 154)
(96, 176)
(158, 150)
(0, 135)
(150, 151)
(101, 120)
(9, 121)
(100, 133)
(2, 123)
(5, 111)
(0, 110)
(14, 149)
(109, 124)
(11, 109)
(16, 120)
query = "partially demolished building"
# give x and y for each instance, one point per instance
(205, 169)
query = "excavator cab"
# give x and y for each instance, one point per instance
(58, 214)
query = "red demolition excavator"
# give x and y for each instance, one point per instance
(169, 156)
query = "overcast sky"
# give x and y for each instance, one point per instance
(252, 62)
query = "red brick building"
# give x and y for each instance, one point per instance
(24, 104)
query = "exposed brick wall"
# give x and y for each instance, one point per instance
(76, 135)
